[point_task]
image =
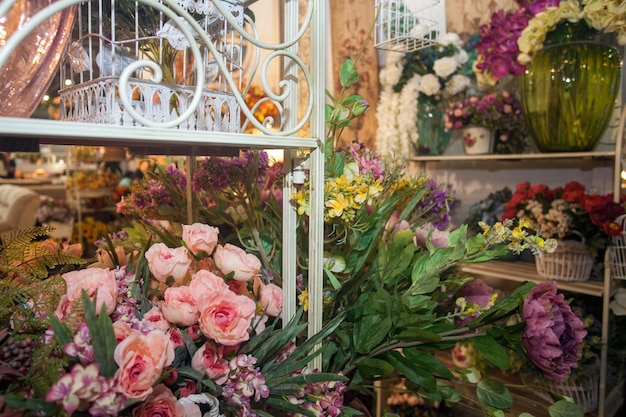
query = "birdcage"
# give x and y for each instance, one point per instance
(142, 62)
(409, 25)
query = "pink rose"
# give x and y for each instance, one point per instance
(122, 330)
(156, 319)
(209, 359)
(271, 299)
(75, 249)
(141, 359)
(165, 262)
(187, 389)
(200, 237)
(93, 280)
(64, 307)
(176, 336)
(161, 403)
(179, 306)
(192, 410)
(204, 284)
(226, 319)
(104, 257)
(232, 259)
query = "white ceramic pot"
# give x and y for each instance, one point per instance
(477, 140)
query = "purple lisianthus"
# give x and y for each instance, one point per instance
(553, 332)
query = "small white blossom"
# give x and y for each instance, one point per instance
(446, 66)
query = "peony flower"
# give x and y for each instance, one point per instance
(93, 280)
(226, 318)
(141, 359)
(161, 403)
(200, 237)
(156, 320)
(179, 306)
(232, 259)
(553, 332)
(165, 262)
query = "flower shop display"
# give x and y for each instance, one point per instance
(557, 37)
(584, 223)
(416, 90)
(499, 112)
(184, 319)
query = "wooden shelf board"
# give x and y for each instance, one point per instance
(525, 271)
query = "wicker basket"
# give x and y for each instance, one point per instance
(617, 252)
(583, 390)
(570, 262)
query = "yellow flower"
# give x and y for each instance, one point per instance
(337, 205)
(303, 298)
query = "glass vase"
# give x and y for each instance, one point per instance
(29, 71)
(568, 90)
(433, 137)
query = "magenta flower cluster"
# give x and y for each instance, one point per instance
(497, 48)
(245, 384)
(329, 395)
(553, 333)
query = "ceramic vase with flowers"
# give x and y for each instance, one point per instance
(568, 82)
(493, 122)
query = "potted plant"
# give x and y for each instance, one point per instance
(498, 112)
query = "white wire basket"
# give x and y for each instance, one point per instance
(582, 389)
(571, 261)
(617, 252)
(141, 47)
(408, 25)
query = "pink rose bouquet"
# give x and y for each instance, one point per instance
(175, 331)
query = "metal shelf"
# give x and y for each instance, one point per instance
(526, 156)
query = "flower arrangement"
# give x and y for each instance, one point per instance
(438, 74)
(563, 211)
(499, 111)
(508, 42)
(55, 210)
(488, 210)
(183, 319)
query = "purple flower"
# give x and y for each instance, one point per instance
(553, 332)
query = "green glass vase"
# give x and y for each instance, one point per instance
(433, 137)
(568, 90)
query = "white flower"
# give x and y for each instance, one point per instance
(457, 84)
(461, 56)
(451, 39)
(390, 75)
(429, 85)
(444, 67)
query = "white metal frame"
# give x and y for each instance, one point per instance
(151, 134)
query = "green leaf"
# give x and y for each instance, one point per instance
(62, 333)
(423, 282)
(492, 351)
(412, 372)
(505, 307)
(30, 404)
(285, 405)
(347, 74)
(493, 393)
(370, 330)
(565, 409)
(102, 336)
(428, 361)
(373, 367)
